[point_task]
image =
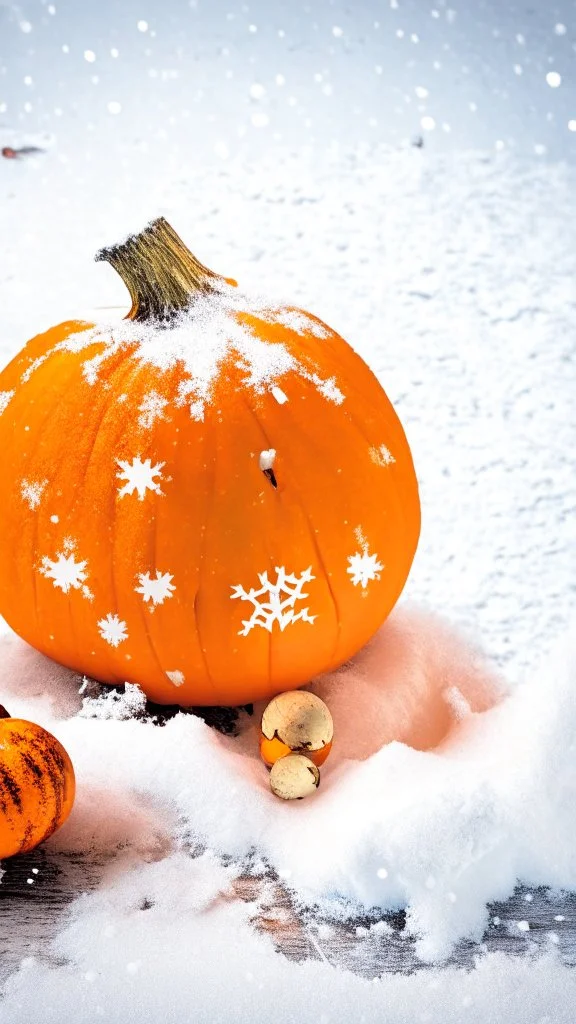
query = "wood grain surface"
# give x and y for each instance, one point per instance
(36, 891)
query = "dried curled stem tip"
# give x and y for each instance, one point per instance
(3, 712)
(160, 272)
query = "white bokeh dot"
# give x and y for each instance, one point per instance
(142, 26)
(90, 56)
(554, 79)
(428, 123)
(114, 107)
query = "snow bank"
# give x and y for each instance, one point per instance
(441, 830)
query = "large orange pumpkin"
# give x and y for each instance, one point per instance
(213, 498)
(36, 785)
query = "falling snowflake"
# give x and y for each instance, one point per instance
(139, 476)
(65, 571)
(177, 677)
(113, 630)
(32, 492)
(156, 590)
(363, 567)
(152, 409)
(282, 596)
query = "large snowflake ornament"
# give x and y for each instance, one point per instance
(155, 590)
(363, 567)
(113, 630)
(64, 571)
(280, 598)
(139, 476)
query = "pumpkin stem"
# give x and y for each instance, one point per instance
(3, 712)
(161, 274)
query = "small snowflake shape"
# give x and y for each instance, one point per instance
(156, 590)
(139, 476)
(364, 567)
(64, 571)
(113, 630)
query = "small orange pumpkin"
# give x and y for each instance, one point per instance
(37, 785)
(212, 498)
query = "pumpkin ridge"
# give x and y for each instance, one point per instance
(37, 438)
(312, 534)
(124, 370)
(211, 476)
(271, 559)
(317, 548)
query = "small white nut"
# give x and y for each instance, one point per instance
(299, 719)
(293, 777)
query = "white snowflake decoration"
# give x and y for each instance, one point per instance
(155, 590)
(113, 630)
(64, 571)
(32, 492)
(281, 599)
(139, 476)
(363, 567)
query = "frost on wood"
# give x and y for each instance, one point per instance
(139, 476)
(281, 597)
(113, 630)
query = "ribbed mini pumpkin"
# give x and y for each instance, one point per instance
(213, 498)
(36, 785)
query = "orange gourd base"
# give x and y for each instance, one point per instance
(272, 750)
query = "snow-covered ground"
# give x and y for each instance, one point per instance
(453, 275)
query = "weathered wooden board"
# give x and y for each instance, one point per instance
(36, 891)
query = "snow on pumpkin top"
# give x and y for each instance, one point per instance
(200, 341)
